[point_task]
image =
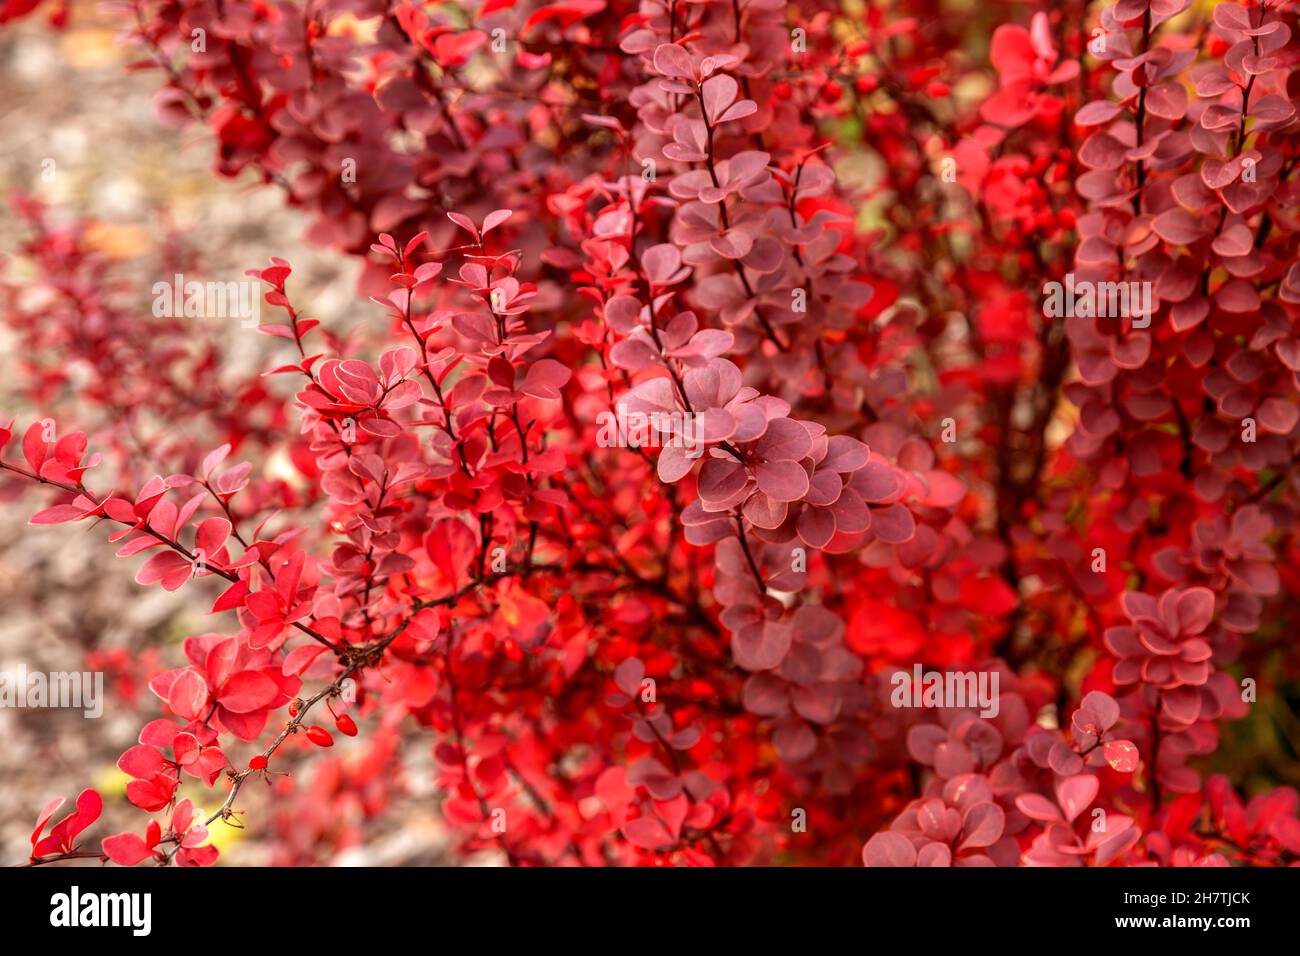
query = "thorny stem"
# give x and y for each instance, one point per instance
(1141, 114)
(749, 557)
(174, 545)
(768, 330)
(61, 857)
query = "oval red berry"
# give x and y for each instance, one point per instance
(320, 736)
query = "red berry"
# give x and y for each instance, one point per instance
(293, 708)
(346, 725)
(320, 736)
(866, 84)
(257, 763)
(832, 92)
(783, 90)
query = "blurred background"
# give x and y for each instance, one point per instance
(66, 603)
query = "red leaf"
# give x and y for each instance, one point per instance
(1121, 755)
(232, 597)
(57, 514)
(248, 691)
(34, 446)
(126, 849)
(648, 833)
(889, 849)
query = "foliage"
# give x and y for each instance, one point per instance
(883, 450)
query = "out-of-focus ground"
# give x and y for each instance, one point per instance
(65, 96)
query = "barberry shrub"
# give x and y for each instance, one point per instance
(715, 364)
